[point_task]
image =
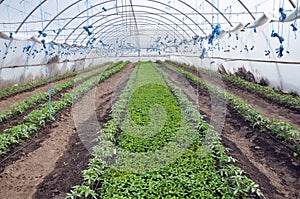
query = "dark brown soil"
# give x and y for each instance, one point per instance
(266, 161)
(53, 162)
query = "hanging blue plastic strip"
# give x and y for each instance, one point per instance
(279, 51)
(283, 15)
(274, 34)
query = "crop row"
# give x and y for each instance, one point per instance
(286, 100)
(282, 130)
(9, 91)
(33, 101)
(178, 156)
(38, 118)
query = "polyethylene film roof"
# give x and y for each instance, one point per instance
(138, 23)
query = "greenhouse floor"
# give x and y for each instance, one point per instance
(52, 164)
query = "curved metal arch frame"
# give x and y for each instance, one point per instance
(127, 6)
(1, 1)
(117, 33)
(126, 36)
(121, 33)
(144, 19)
(171, 29)
(185, 14)
(29, 16)
(171, 15)
(116, 18)
(65, 9)
(125, 12)
(246, 9)
(221, 13)
(114, 14)
(118, 28)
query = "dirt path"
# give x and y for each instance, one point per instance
(57, 154)
(267, 109)
(267, 162)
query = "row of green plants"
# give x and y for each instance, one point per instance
(33, 101)
(186, 159)
(286, 100)
(37, 119)
(9, 91)
(280, 129)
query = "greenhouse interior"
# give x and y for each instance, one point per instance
(149, 99)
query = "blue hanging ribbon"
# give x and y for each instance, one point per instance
(216, 31)
(87, 29)
(283, 15)
(203, 53)
(279, 51)
(294, 27)
(42, 33)
(195, 38)
(246, 25)
(44, 43)
(274, 34)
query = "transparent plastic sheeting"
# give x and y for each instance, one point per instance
(39, 36)
(256, 52)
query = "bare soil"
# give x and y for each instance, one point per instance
(267, 162)
(53, 162)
